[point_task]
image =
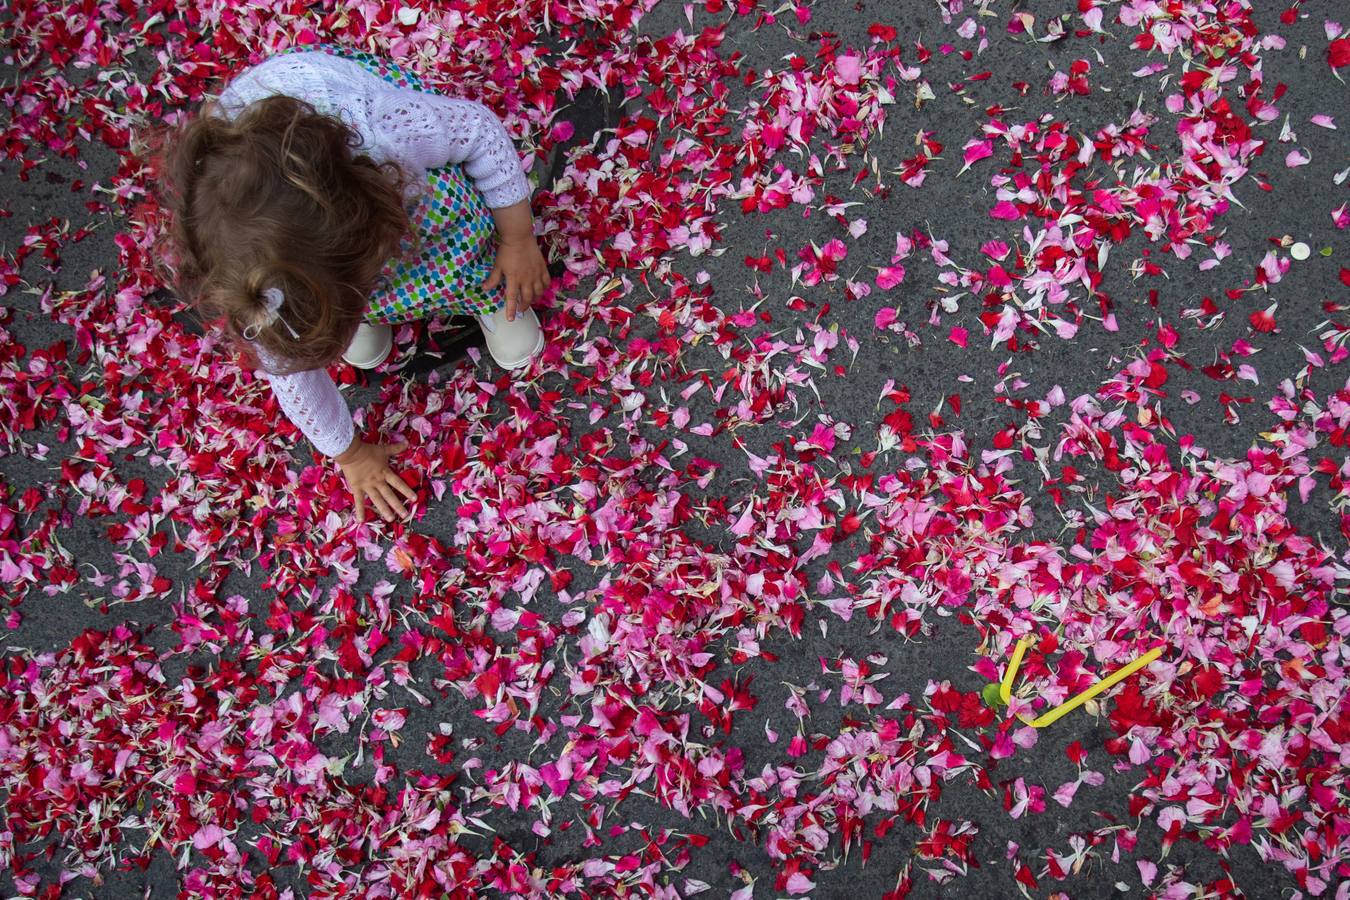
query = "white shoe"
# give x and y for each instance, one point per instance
(512, 344)
(370, 345)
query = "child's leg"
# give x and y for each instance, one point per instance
(442, 270)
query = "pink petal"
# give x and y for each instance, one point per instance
(888, 277)
(849, 69)
(207, 836)
(978, 150)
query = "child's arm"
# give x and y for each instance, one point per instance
(519, 262)
(311, 401)
(424, 131)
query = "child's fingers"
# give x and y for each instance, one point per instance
(402, 486)
(377, 500)
(360, 506)
(391, 500)
(534, 288)
(494, 278)
(528, 293)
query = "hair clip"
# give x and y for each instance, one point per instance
(272, 300)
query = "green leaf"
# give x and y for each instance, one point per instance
(992, 695)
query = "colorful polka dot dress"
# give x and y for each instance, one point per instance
(442, 270)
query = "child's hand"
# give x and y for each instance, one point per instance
(366, 468)
(519, 262)
(522, 267)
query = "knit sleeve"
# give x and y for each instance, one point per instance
(311, 401)
(424, 131)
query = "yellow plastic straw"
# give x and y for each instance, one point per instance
(1109, 681)
(1005, 689)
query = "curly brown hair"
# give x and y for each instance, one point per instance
(278, 197)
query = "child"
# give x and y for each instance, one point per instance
(327, 195)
